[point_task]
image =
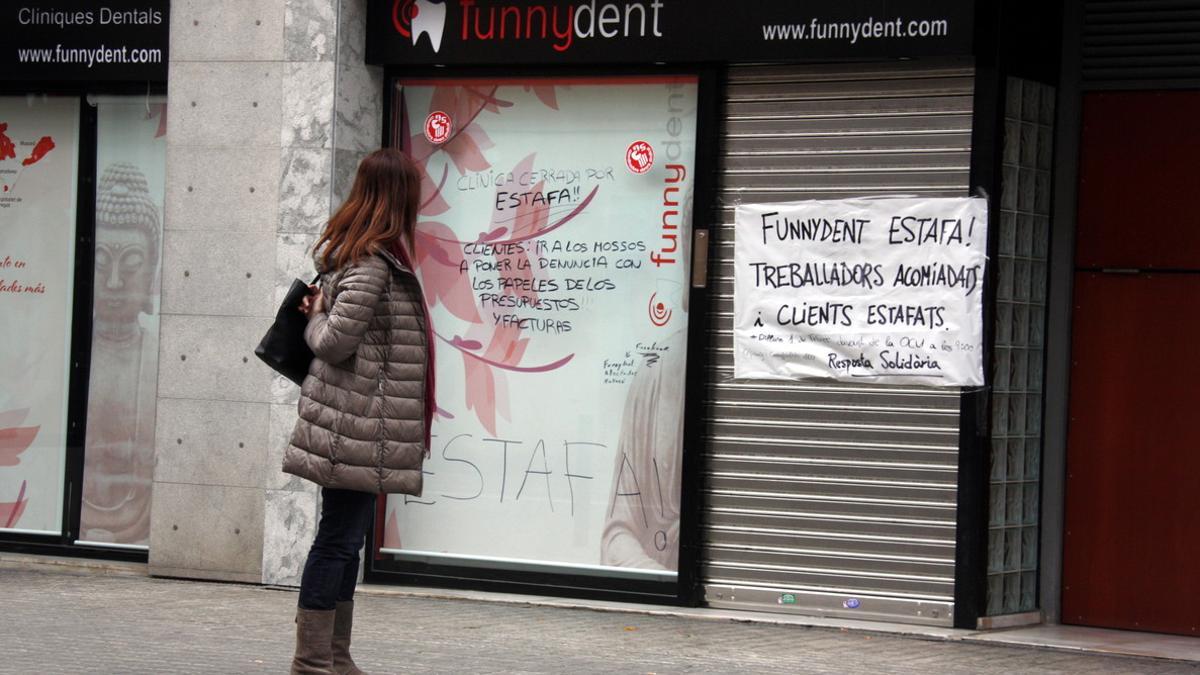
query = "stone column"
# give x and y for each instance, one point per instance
(268, 101)
(331, 118)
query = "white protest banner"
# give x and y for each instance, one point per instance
(865, 290)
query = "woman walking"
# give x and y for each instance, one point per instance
(366, 404)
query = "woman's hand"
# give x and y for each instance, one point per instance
(313, 303)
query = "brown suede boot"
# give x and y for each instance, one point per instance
(314, 638)
(342, 623)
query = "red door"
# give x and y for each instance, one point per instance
(1132, 537)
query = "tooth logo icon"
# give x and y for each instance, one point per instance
(414, 18)
(430, 20)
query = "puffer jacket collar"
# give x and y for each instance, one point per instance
(384, 253)
(393, 261)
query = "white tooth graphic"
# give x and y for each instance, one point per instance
(430, 20)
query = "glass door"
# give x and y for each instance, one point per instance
(553, 248)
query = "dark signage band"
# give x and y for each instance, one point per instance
(482, 32)
(84, 40)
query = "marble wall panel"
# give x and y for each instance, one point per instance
(282, 421)
(359, 106)
(345, 165)
(293, 258)
(307, 105)
(359, 111)
(291, 522)
(310, 30)
(284, 391)
(304, 204)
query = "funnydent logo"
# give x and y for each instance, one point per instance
(659, 314)
(414, 18)
(555, 23)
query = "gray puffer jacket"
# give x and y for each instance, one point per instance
(362, 419)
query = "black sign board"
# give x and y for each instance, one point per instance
(84, 40)
(495, 32)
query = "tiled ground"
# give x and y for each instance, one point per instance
(63, 622)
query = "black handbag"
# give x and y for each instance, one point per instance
(283, 347)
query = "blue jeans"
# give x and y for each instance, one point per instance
(331, 571)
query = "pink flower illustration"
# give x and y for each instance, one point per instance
(14, 439)
(158, 110)
(545, 94)
(441, 262)
(483, 396)
(491, 349)
(467, 140)
(391, 531)
(432, 203)
(10, 512)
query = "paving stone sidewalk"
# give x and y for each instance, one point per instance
(62, 622)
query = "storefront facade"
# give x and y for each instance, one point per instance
(807, 497)
(584, 166)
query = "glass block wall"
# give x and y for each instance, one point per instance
(1016, 452)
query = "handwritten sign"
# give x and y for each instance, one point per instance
(874, 290)
(556, 273)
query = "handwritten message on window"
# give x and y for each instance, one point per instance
(874, 290)
(552, 245)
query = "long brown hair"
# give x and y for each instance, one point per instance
(380, 211)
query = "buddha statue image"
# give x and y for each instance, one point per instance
(119, 449)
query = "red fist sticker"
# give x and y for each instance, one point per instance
(639, 157)
(437, 127)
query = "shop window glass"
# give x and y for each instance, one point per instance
(553, 245)
(119, 449)
(39, 137)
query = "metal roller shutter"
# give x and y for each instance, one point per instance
(1141, 44)
(824, 498)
